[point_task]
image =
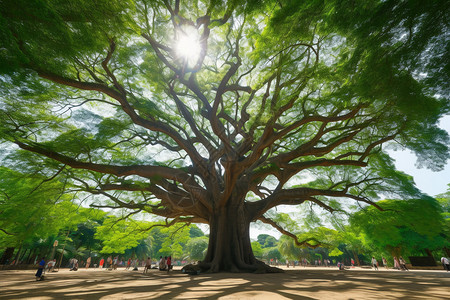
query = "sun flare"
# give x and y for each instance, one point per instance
(188, 47)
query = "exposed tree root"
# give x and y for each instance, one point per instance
(204, 267)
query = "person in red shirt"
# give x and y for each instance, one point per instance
(169, 263)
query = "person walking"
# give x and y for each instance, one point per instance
(102, 262)
(115, 262)
(445, 263)
(374, 263)
(148, 264)
(402, 263)
(41, 267)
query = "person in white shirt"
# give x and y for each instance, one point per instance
(162, 263)
(445, 263)
(51, 265)
(374, 263)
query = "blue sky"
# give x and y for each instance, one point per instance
(427, 181)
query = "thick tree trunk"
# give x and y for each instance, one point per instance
(7, 255)
(429, 253)
(355, 255)
(447, 251)
(229, 247)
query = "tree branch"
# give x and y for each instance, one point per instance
(293, 236)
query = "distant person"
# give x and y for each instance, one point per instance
(148, 264)
(402, 263)
(384, 262)
(128, 264)
(305, 262)
(353, 262)
(102, 262)
(374, 263)
(445, 263)
(396, 263)
(40, 270)
(136, 264)
(51, 265)
(109, 263)
(71, 263)
(169, 263)
(88, 262)
(162, 263)
(115, 262)
(74, 265)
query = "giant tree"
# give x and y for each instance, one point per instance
(217, 112)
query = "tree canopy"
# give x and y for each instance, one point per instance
(405, 226)
(217, 112)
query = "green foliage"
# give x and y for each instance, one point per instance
(405, 226)
(47, 212)
(118, 235)
(194, 231)
(266, 240)
(257, 249)
(178, 236)
(271, 253)
(196, 248)
(287, 248)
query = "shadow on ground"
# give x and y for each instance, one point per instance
(293, 284)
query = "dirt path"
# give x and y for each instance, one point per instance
(298, 283)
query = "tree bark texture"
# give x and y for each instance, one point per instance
(7, 255)
(229, 247)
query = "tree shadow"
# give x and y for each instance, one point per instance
(293, 284)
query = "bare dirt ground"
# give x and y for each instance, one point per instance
(297, 283)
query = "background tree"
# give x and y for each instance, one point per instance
(444, 201)
(48, 214)
(266, 240)
(405, 227)
(112, 91)
(196, 248)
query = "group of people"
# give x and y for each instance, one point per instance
(399, 264)
(132, 263)
(165, 263)
(42, 267)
